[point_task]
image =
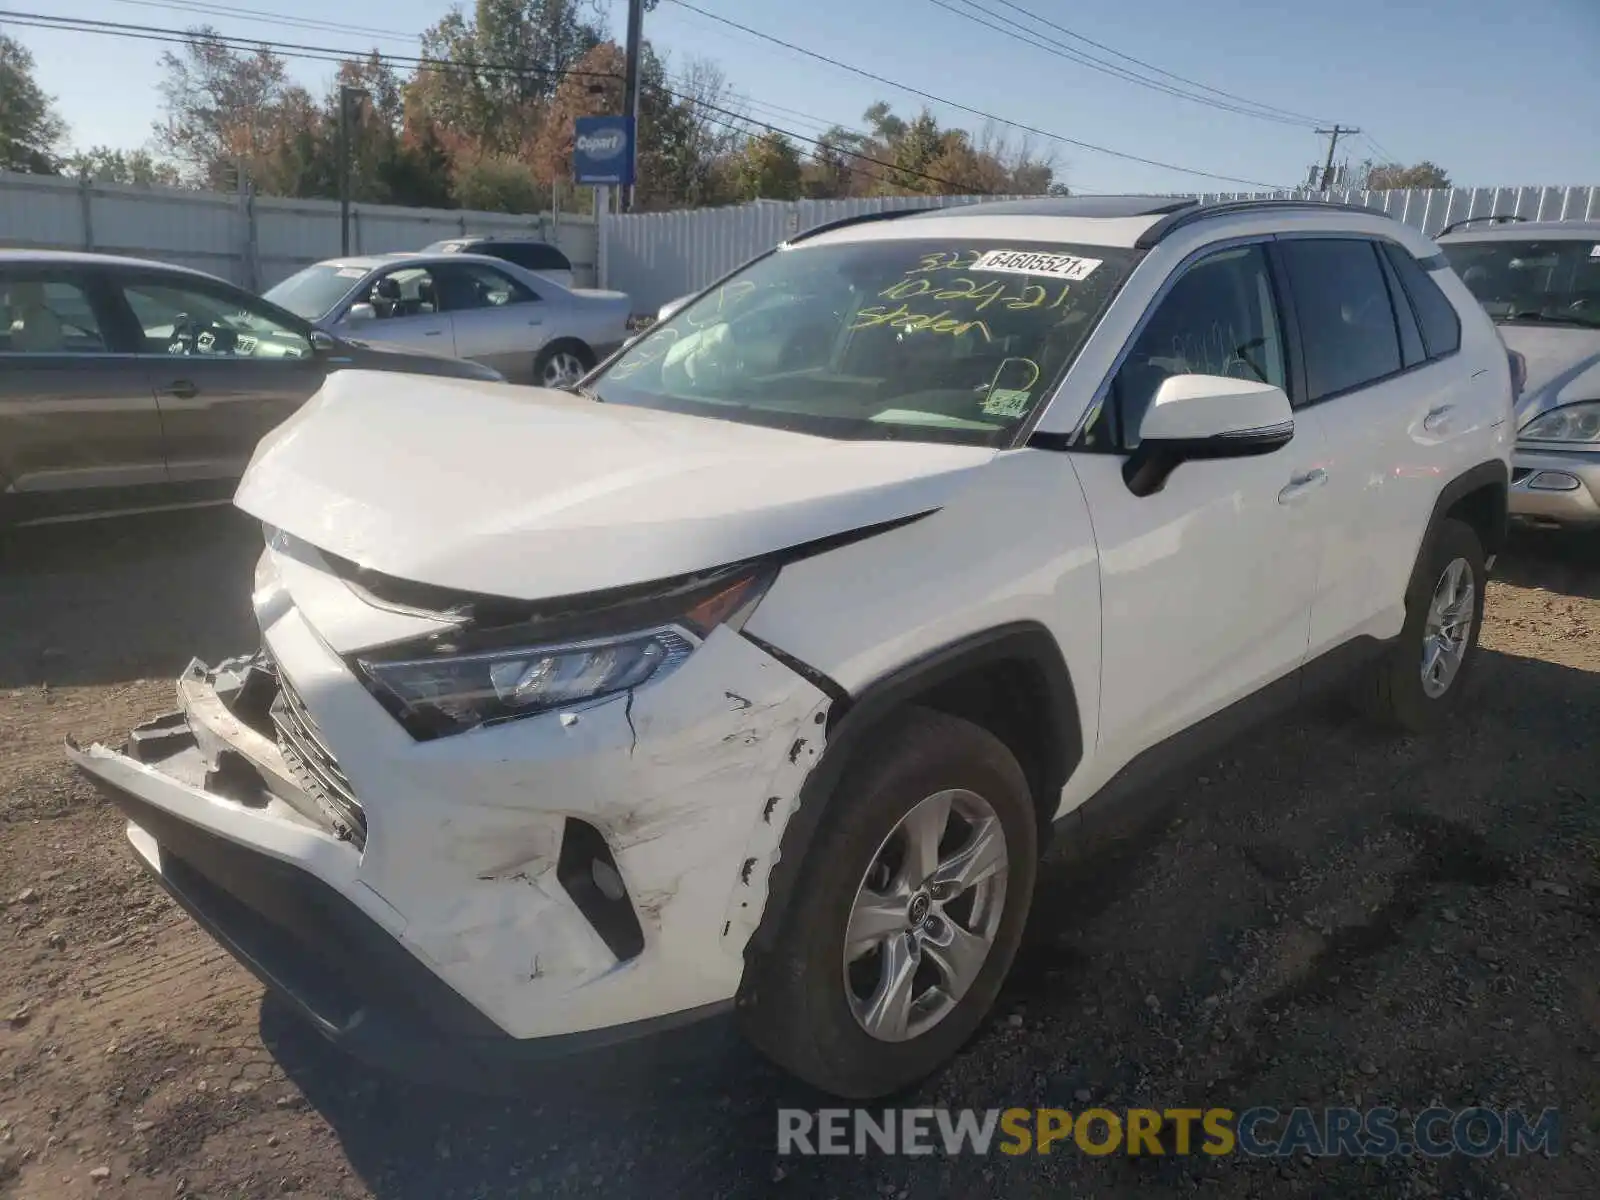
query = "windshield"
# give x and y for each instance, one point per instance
(313, 292)
(1547, 280)
(922, 340)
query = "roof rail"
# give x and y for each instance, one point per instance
(884, 214)
(1455, 225)
(1223, 208)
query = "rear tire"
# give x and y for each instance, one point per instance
(562, 364)
(812, 1004)
(1438, 631)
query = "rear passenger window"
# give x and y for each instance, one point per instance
(1441, 326)
(1346, 321)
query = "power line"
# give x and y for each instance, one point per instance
(977, 112)
(334, 55)
(1061, 50)
(1088, 41)
(261, 16)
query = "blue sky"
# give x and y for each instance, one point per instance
(1494, 91)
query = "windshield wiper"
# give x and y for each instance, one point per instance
(587, 393)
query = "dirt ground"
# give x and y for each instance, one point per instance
(1320, 916)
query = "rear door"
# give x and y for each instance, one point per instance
(498, 320)
(1397, 415)
(79, 427)
(225, 368)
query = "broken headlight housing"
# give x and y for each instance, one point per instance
(567, 656)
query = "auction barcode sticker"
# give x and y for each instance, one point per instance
(1034, 262)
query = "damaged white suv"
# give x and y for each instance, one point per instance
(751, 676)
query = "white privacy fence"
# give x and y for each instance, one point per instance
(655, 257)
(254, 241)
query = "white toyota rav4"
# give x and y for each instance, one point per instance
(750, 676)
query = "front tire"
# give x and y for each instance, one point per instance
(907, 914)
(1420, 681)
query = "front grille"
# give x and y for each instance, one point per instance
(313, 766)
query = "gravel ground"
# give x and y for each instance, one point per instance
(1319, 916)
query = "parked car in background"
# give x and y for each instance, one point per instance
(127, 384)
(1540, 281)
(750, 678)
(529, 329)
(529, 253)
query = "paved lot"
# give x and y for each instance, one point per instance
(1319, 916)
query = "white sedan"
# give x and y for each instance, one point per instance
(528, 328)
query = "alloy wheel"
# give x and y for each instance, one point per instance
(564, 369)
(1448, 627)
(925, 915)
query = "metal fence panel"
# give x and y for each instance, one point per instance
(655, 257)
(253, 241)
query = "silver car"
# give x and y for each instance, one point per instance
(1540, 281)
(471, 306)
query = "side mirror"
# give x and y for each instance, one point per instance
(361, 312)
(1206, 416)
(667, 310)
(322, 342)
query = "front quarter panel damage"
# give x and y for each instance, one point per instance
(690, 780)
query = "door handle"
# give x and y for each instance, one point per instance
(179, 389)
(536, 321)
(1438, 419)
(433, 333)
(1301, 485)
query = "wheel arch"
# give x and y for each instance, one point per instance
(1012, 676)
(1479, 496)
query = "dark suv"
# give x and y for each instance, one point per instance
(128, 385)
(529, 253)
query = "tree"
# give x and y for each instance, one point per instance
(768, 168)
(223, 108)
(496, 70)
(499, 183)
(30, 129)
(1394, 176)
(102, 164)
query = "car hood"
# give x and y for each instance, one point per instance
(531, 493)
(1563, 366)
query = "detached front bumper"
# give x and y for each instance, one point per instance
(1556, 486)
(470, 928)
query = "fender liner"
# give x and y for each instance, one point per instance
(850, 727)
(1494, 473)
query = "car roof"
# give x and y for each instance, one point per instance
(1133, 222)
(1520, 231)
(371, 262)
(87, 258)
(525, 238)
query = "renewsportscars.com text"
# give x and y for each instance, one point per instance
(1260, 1131)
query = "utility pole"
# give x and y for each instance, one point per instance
(630, 94)
(1333, 135)
(347, 93)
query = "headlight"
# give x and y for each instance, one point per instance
(1574, 423)
(457, 682)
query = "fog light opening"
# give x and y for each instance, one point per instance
(1553, 481)
(589, 874)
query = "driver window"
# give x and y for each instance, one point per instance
(408, 292)
(189, 321)
(1219, 319)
